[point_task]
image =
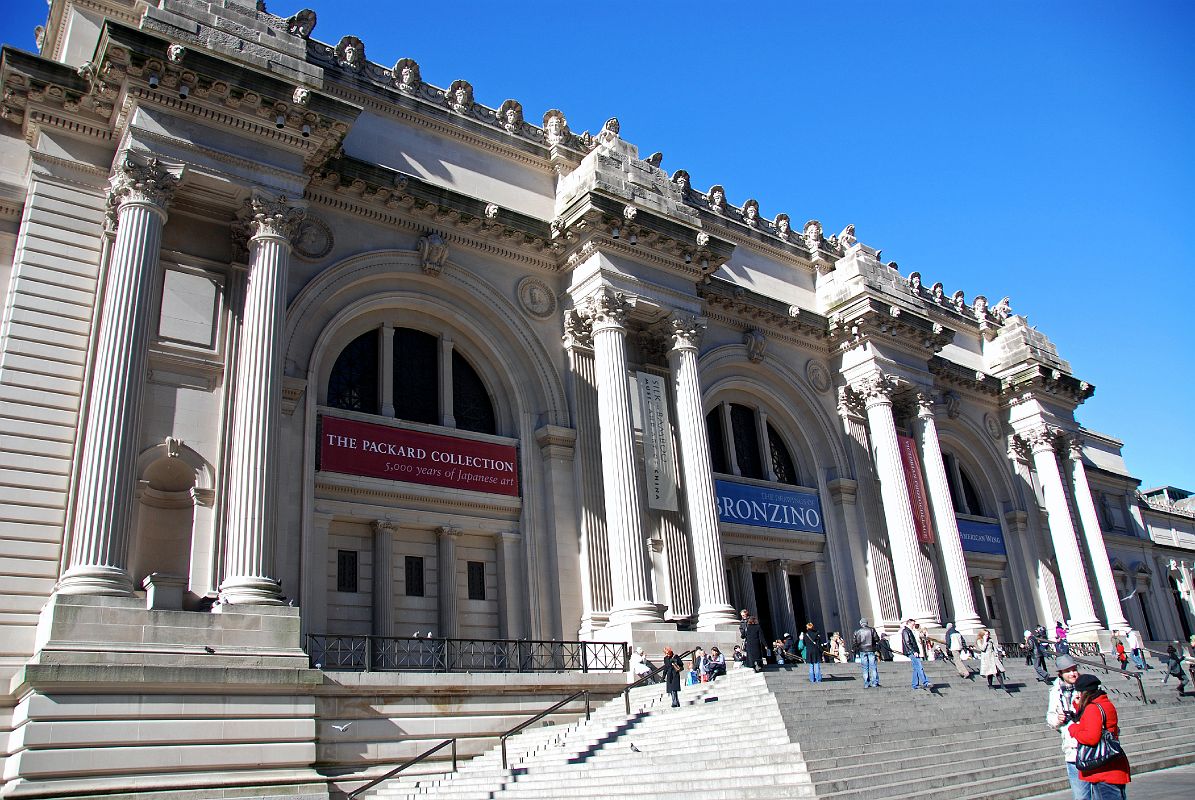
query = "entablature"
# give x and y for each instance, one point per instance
(868, 318)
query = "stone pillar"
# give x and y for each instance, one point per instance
(765, 446)
(949, 541)
(1094, 536)
(624, 531)
(449, 618)
(847, 548)
(732, 455)
(510, 585)
(596, 594)
(825, 598)
(447, 418)
(916, 601)
(383, 578)
(257, 401)
(782, 603)
(742, 572)
(713, 600)
(386, 368)
(141, 189)
(1062, 532)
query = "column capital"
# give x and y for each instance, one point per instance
(780, 564)
(1074, 447)
(1041, 439)
(608, 309)
(509, 537)
(139, 179)
(381, 526)
(685, 331)
(842, 490)
(876, 390)
(267, 216)
(578, 328)
(925, 404)
(448, 532)
(850, 403)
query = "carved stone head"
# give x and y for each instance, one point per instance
(717, 198)
(406, 74)
(510, 116)
(938, 292)
(555, 127)
(460, 96)
(301, 24)
(681, 179)
(915, 282)
(350, 52)
(783, 226)
(609, 131)
(959, 300)
(812, 233)
(980, 306)
(751, 213)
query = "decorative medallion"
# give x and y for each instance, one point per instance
(536, 298)
(818, 376)
(312, 240)
(992, 425)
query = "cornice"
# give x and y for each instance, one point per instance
(976, 381)
(1035, 381)
(739, 308)
(332, 486)
(866, 318)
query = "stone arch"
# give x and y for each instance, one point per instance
(727, 370)
(172, 532)
(325, 311)
(986, 464)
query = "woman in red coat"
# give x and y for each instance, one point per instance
(1108, 781)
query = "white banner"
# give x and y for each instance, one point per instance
(657, 443)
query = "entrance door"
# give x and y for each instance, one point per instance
(796, 589)
(763, 602)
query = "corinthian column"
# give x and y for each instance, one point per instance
(713, 601)
(628, 554)
(945, 523)
(103, 513)
(253, 470)
(1095, 540)
(911, 582)
(1062, 531)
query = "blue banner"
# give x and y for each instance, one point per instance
(765, 507)
(981, 537)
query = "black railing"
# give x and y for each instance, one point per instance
(523, 725)
(335, 652)
(408, 763)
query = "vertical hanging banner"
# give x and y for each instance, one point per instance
(912, 465)
(657, 442)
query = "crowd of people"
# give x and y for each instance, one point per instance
(1078, 707)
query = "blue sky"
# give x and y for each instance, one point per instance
(1038, 150)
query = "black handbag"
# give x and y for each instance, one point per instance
(1091, 756)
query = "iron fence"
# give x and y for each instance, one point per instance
(336, 652)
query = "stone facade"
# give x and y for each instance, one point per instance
(231, 250)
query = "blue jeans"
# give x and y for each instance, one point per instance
(1138, 659)
(919, 678)
(1108, 791)
(1079, 789)
(871, 674)
(815, 671)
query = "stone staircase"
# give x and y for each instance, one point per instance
(776, 735)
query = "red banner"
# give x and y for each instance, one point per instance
(379, 451)
(912, 464)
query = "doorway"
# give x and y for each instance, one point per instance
(763, 604)
(796, 590)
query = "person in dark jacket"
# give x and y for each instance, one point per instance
(673, 665)
(911, 648)
(756, 645)
(866, 643)
(811, 646)
(1174, 666)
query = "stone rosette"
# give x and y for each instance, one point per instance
(536, 298)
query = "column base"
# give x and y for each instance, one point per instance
(96, 579)
(1085, 628)
(967, 625)
(251, 591)
(710, 617)
(635, 611)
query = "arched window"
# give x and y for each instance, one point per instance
(963, 493)
(782, 463)
(746, 443)
(353, 384)
(417, 388)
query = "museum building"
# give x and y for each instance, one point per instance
(300, 345)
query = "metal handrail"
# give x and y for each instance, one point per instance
(540, 716)
(409, 763)
(626, 692)
(1135, 674)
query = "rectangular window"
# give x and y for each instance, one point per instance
(346, 570)
(414, 576)
(476, 580)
